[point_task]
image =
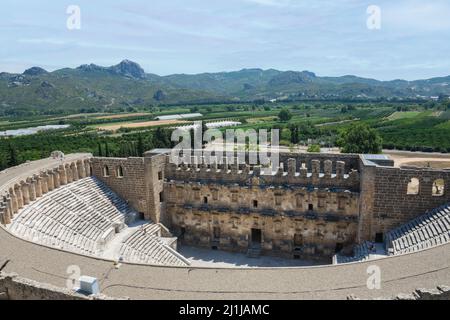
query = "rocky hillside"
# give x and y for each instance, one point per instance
(126, 85)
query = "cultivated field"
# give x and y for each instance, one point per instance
(145, 124)
(125, 115)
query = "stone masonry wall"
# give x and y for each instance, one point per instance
(154, 179)
(392, 206)
(298, 221)
(131, 186)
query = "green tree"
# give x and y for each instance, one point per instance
(140, 146)
(360, 138)
(99, 149)
(285, 115)
(314, 148)
(13, 158)
(106, 149)
(295, 134)
(162, 138)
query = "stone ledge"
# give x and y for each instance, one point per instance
(14, 287)
(438, 293)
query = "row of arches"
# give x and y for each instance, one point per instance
(438, 188)
(107, 173)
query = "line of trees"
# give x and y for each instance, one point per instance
(17, 150)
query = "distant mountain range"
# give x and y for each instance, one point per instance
(92, 87)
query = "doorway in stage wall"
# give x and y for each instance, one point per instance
(379, 238)
(256, 237)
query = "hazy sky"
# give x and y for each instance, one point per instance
(329, 37)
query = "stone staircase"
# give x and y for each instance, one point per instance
(254, 252)
(429, 230)
(146, 246)
(361, 252)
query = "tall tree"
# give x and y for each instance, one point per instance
(295, 137)
(106, 149)
(99, 149)
(140, 146)
(285, 115)
(13, 158)
(360, 138)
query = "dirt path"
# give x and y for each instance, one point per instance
(420, 159)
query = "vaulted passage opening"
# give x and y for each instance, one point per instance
(438, 188)
(413, 186)
(379, 238)
(256, 237)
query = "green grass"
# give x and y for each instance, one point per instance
(403, 115)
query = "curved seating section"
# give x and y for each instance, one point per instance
(421, 233)
(20, 193)
(63, 207)
(146, 246)
(81, 217)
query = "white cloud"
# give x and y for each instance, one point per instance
(84, 44)
(417, 16)
(272, 3)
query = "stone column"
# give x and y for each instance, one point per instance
(25, 192)
(340, 169)
(9, 212)
(74, 169)
(62, 175)
(246, 169)
(193, 164)
(38, 186)
(203, 164)
(87, 167)
(280, 170)
(19, 196)
(315, 168)
(328, 168)
(234, 168)
(3, 214)
(292, 163)
(14, 204)
(81, 169)
(56, 179)
(44, 181)
(32, 188)
(303, 172)
(69, 175)
(50, 183)
(354, 176)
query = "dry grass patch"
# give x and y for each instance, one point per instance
(117, 126)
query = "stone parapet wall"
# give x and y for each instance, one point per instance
(321, 174)
(13, 287)
(438, 293)
(305, 160)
